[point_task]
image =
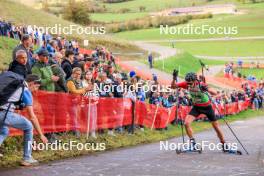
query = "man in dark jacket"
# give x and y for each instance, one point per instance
(25, 45)
(19, 64)
(67, 63)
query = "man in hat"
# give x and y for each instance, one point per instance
(44, 71)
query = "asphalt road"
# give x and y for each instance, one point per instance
(146, 160)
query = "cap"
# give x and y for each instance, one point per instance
(43, 52)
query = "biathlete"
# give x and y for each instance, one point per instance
(201, 105)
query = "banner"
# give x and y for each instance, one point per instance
(60, 112)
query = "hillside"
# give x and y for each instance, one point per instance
(6, 47)
(21, 14)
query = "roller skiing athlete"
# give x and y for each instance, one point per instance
(201, 105)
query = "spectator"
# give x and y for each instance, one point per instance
(25, 45)
(51, 47)
(117, 83)
(102, 82)
(141, 95)
(67, 63)
(165, 100)
(150, 60)
(88, 83)
(240, 63)
(19, 64)
(44, 71)
(74, 84)
(255, 98)
(155, 98)
(19, 122)
(60, 85)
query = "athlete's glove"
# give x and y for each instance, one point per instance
(175, 74)
(204, 88)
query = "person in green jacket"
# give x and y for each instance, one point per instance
(60, 85)
(44, 71)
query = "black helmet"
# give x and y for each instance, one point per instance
(190, 77)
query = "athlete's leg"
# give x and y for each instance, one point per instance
(218, 131)
(188, 120)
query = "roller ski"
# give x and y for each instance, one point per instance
(192, 148)
(226, 149)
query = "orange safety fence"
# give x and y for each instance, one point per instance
(85, 51)
(236, 80)
(59, 112)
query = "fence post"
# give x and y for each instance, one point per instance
(132, 126)
(155, 115)
(88, 118)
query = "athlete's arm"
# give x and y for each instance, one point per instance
(175, 85)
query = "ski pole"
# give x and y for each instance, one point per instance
(177, 106)
(234, 134)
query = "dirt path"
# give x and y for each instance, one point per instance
(204, 39)
(163, 51)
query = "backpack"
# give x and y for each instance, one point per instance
(10, 82)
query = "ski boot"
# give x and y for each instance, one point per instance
(227, 149)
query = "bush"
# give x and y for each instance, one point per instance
(142, 8)
(148, 22)
(77, 12)
(123, 10)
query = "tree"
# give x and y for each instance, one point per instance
(77, 12)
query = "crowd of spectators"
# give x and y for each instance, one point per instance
(252, 88)
(62, 68)
(231, 70)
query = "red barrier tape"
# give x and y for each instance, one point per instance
(59, 112)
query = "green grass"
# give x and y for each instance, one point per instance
(222, 48)
(24, 15)
(6, 47)
(12, 147)
(249, 24)
(116, 17)
(185, 61)
(258, 73)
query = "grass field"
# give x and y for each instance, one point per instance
(249, 24)
(186, 61)
(258, 73)
(6, 47)
(116, 17)
(222, 48)
(12, 147)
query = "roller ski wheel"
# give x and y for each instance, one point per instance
(230, 151)
(190, 150)
(235, 152)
